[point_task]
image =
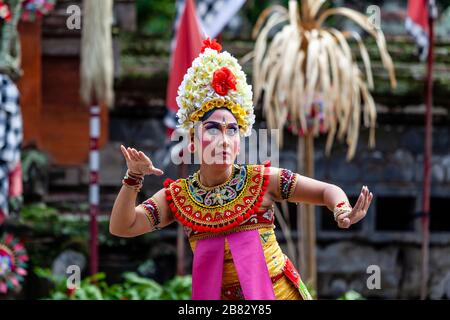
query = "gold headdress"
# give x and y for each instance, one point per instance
(215, 79)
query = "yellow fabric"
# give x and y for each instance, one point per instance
(284, 289)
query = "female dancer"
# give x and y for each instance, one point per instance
(227, 210)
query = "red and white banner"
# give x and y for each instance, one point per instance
(417, 24)
(188, 43)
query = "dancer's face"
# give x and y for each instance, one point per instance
(218, 140)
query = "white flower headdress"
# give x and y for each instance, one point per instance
(215, 79)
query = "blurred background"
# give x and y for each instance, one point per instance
(51, 213)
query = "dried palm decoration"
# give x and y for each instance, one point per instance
(97, 62)
(308, 74)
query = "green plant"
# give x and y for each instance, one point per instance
(47, 221)
(179, 288)
(134, 287)
(351, 295)
(156, 17)
(90, 288)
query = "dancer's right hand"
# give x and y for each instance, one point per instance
(138, 162)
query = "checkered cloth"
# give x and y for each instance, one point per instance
(11, 136)
(416, 23)
(214, 15)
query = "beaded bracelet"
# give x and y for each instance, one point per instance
(133, 181)
(286, 183)
(340, 208)
(152, 212)
(134, 175)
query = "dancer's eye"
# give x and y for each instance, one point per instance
(212, 129)
(232, 131)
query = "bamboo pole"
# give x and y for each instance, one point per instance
(308, 219)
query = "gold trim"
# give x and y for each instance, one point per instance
(279, 183)
(184, 187)
(229, 204)
(196, 178)
(245, 227)
(293, 185)
(237, 110)
(148, 214)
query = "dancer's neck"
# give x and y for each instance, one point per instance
(211, 175)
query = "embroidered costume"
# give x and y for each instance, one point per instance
(236, 254)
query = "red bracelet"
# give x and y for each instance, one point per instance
(133, 181)
(134, 175)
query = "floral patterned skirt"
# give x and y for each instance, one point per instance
(286, 280)
(287, 285)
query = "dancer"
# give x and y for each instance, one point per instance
(226, 209)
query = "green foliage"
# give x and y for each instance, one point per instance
(134, 287)
(53, 232)
(47, 221)
(351, 295)
(156, 17)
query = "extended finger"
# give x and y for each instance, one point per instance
(123, 150)
(132, 156)
(157, 171)
(369, 200)
(360, 199)
(359, 212)
(125, 153)
(144, 157)
(364, 198)
(136, 154)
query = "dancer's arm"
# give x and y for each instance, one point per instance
(129, 220)
(293, 187)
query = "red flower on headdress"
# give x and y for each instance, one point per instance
(212, 44)
(223, 81)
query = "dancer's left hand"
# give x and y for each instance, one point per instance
(345, 220)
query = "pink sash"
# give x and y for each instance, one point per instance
(249, 261)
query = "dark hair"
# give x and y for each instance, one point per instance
(210, 112)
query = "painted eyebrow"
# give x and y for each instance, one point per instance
(218, 123)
